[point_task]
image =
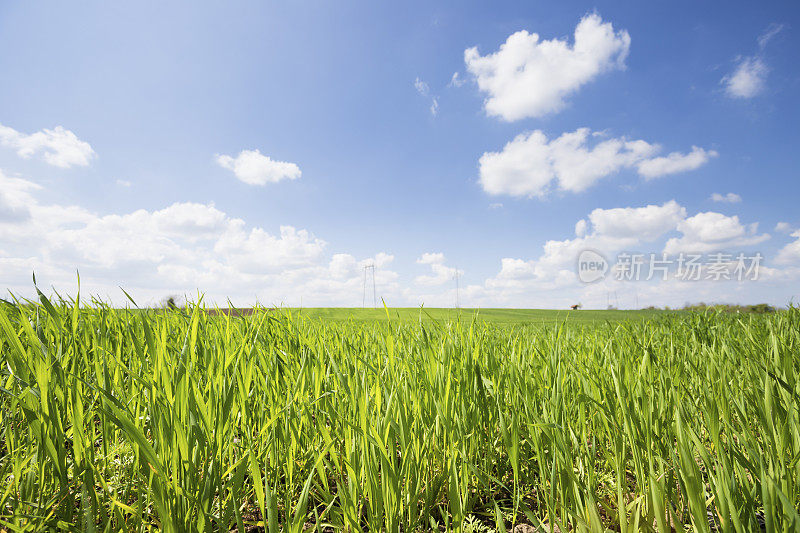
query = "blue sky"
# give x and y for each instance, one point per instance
(153, 94)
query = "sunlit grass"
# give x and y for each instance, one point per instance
(179, 420)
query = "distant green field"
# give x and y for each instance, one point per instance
(495, 316)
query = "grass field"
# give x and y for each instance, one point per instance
(495, 316)
(182, 421)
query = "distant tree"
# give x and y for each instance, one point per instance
(758, 309)
(171, 302)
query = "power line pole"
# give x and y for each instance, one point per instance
(374, 292)
(369, 268)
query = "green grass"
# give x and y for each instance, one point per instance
(181, 421)
(494, 316)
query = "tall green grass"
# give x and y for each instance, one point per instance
(182, 421)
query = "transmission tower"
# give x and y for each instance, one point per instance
(371, 270)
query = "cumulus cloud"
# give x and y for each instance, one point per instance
(58, 147)
(550, 280)
(15, 198)
(783, 227)
(730, 198)
(530, 164)
(186, 247)
(431, 258)
(528, 77)
(183, 247)
(790, 254)
(674, 163)
(440, 273)
(580, 228)
(253, 168)
(711, 232)
(637, 224)
(256, 250)
(607, 230)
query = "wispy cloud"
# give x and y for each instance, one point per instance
(422, 87)
(771, 31)
(424, 90)
(730, 198)
(456, 80)
(749, 78)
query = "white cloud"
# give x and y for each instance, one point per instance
(748, 80)
(431, 258)
(187, 247)
(456, 80)
(675, 163)
(59, 147)
(496, 205)
(771, 31)
(173, 234)
(790, 254)
(257, 250)
(253, 168)
(637, 224)
(440, 273)
(607, 230)
(580, 228)
(530, 163)
(15, 198)
(380, 260)
(749, 77)
(178, 249)
(783, 227)
(730, 198)
(424, 90)
(527, 77)
(124, 183)
(711, 232)
(550, 280)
